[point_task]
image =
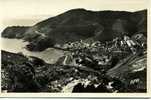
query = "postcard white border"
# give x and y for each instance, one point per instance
(99, 95)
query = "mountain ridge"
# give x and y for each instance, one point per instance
(81, 24)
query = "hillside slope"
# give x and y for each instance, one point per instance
(81, 24)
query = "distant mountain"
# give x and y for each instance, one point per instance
(14, 32)
(78, 24)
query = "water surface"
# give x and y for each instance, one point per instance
(49, 55)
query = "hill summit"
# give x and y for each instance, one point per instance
(81, 24)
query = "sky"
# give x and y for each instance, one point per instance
(29, 12)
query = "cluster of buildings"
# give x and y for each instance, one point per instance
(97, 53)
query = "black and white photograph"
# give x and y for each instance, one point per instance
(74, 46)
